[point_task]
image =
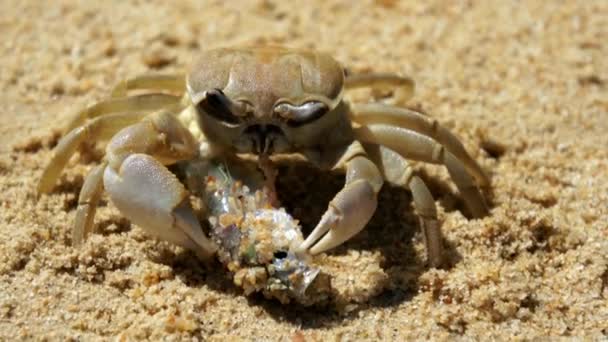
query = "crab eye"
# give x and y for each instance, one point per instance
(302, 114)
(218, 105)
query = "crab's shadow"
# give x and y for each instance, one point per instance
(393, 230)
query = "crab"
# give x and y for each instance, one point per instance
(261, 103)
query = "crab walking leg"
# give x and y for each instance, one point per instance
(403, 85)
(351, 208)
(413, 145)
(87, 205)
(172, 83)
(138, 103)
(366, 114)
(398, 171)
(97, 129)
(142, 188)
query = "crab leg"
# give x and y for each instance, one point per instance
(416, 146)
(172, 83)
(142, 188)
(97, 129)
(398, 171)
(350, 209)
(366, 114)
(404, 85)
(139, 103)
(87, 204)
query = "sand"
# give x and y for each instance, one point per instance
(523, 84)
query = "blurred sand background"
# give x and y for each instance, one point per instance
(523, 83)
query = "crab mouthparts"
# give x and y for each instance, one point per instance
(263, 137)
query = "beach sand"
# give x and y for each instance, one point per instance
(523, 84)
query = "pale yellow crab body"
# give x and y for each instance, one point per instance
(262, 102)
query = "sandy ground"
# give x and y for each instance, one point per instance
(524, 84)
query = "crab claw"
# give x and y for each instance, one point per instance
(154, 199)
(347, 215)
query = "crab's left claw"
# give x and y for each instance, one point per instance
(350, 210)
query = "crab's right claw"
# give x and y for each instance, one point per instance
(153, 198)
(347, 215)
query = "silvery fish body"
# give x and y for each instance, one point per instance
(256, 240)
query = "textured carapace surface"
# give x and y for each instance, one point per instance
(267, 75)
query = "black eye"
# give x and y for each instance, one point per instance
(217, 105)
(280, 255)
(302, 114)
